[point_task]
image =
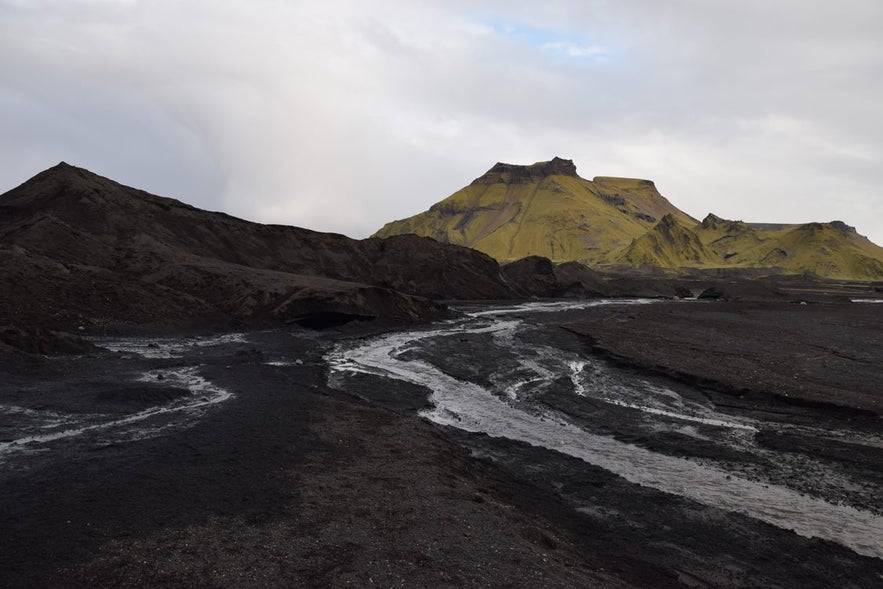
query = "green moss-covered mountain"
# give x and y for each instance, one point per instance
(546, 209)
(833, 250)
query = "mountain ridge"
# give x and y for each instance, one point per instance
(546, 209)
(80, 249)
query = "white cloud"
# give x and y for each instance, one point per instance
(340, 116)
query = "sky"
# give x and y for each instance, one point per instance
(340, 116)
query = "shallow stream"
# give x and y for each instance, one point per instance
(504, 404)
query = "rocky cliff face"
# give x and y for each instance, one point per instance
(79, 249)
(515, 174)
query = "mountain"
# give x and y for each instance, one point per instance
(547, 210)
(77, 249)
(833, 250)
(669, 245)
(544, 209)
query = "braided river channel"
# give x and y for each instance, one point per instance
(493, 371)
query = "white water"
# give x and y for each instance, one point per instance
(646, 398)
(547, 307)
(470, 407)
(165, 347)
(202, 394)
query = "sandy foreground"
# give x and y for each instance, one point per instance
(116, 473)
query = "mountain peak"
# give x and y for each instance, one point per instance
(670, 245)
(833, 226)
(64, 173)
(712, 220)
(76, 194)
(518, 174)
(64, 168)
(62, 185)
(715, 223)
(842, 227)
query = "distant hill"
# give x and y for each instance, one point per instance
(833, 250)
(668, 244)
(77, 249)
(547, 210)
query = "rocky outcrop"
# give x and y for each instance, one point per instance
(425, 267)
(515, 174)
(540, 277)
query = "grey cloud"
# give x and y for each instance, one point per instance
(340, 116)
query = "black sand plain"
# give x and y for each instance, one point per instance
(292, 483)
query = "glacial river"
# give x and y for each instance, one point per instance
(505, 409)
(32, 430)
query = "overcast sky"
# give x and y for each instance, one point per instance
(340, 116)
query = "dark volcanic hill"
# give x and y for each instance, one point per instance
(77, 249)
